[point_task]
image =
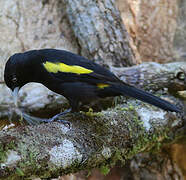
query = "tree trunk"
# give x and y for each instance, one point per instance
(100, 33)
(153, 26)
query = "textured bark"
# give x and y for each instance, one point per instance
(157, 28)
(180, 34)
(154, 76)
(26, 25)
(98, 27)
(154, 166)
(94, 140)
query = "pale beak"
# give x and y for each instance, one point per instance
(15, 95)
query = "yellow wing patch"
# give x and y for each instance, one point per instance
(61, 67)
(102, 85)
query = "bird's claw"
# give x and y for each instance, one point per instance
(65, 122)
(54, 118)
(35, 120)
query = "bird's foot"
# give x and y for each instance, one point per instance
(54, 118)
(35, 120)
(60, 114)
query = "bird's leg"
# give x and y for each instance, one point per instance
(55, 118)
(60, 114)
(35, 120)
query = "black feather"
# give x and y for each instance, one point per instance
(29, 67)
(128, 90)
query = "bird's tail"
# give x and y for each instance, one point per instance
(131, 91)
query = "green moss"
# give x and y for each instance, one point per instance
(131, 107)
(3, 150)
(143, 141)
(30, 163)
(11, 145)
(90, 112)
(3, 154)
(19, 172)
(124, 109)
(104, 169)
(117, 157)
(146, 142)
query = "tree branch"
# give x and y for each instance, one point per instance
(154, 76)
(94, 139)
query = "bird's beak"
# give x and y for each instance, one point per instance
(15, 95)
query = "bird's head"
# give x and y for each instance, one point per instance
(17, 73)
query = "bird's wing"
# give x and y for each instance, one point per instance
(77, 68)
(92, 78)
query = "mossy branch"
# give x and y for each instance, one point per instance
(93, 140)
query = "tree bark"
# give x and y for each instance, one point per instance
(155, 28)
(100, 33)
(154, 76)
(94, 140)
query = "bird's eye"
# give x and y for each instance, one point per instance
(181, 76)
(14, 79)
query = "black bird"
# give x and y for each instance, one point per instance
(78, 79)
